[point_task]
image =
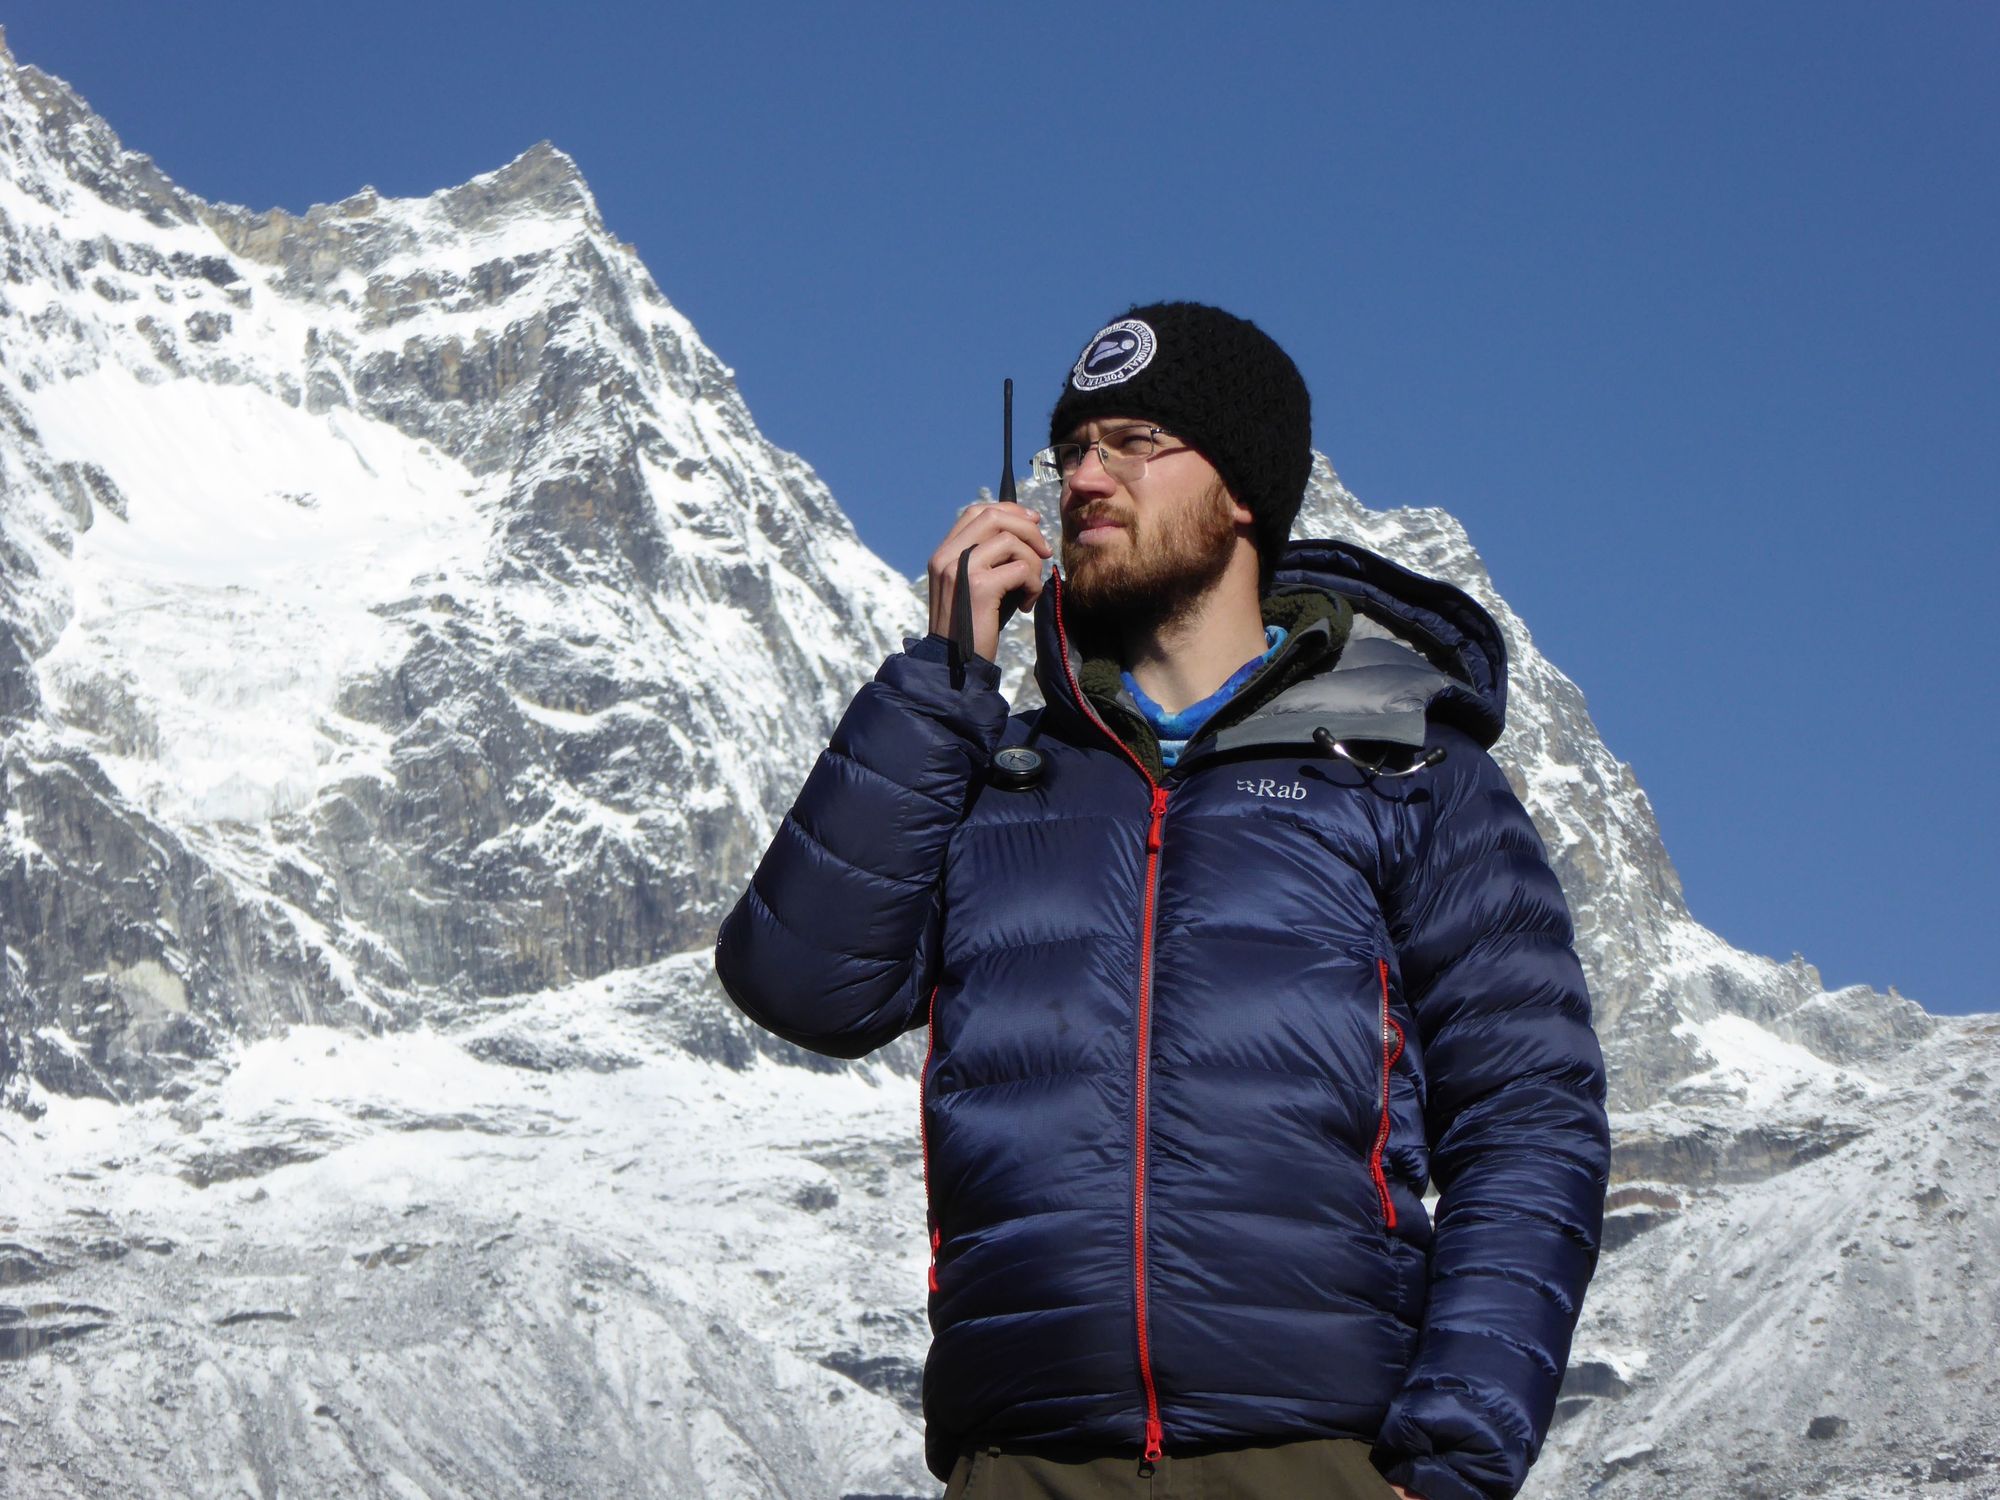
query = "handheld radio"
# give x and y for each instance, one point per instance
(1018, 768)
(961, 599)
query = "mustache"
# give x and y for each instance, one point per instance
(1091, 515)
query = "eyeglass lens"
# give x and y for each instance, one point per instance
(1123, 453)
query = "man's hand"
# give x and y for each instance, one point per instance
(1008, 550)
(1405, 1494)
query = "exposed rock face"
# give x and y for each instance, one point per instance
(407, 646)
(1812, 1313)
(528, 720)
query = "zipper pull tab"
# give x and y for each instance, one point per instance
(1159, 812)
(1153, 1438)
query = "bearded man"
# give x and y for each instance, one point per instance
(1227, 954)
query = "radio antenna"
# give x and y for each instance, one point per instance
(1007, 441)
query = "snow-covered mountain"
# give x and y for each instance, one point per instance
(415, 611)
(407, 642)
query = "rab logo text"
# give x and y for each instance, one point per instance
(1289, 791)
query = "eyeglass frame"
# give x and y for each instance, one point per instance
(1104, 458)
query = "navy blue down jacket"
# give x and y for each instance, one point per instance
(1199, 1039)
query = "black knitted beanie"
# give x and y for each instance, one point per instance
(1216, 381)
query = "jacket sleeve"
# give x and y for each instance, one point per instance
(834, 943)
(1520, 1148)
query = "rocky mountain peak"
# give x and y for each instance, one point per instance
(541, 180)
(537, 202)
(54, 146)
(471, 551)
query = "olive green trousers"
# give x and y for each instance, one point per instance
(1320, 1468)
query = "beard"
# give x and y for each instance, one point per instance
(1155, 577)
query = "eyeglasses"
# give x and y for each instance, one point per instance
(1123, 452)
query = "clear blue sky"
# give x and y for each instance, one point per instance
(1687, 311)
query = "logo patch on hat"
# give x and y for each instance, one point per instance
(1116, 354)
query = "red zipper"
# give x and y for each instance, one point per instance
(924, 1134)
(1155, 1433)
(1390, 1032)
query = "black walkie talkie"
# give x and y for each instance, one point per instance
(961, 598)
(1018, 768)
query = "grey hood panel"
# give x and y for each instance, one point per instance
(1380, 689)
(1439, 621)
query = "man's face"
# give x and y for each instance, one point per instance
(1140, 550)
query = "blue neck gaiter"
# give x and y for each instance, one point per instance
(1176, 729)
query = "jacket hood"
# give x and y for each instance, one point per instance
(1439, 656)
